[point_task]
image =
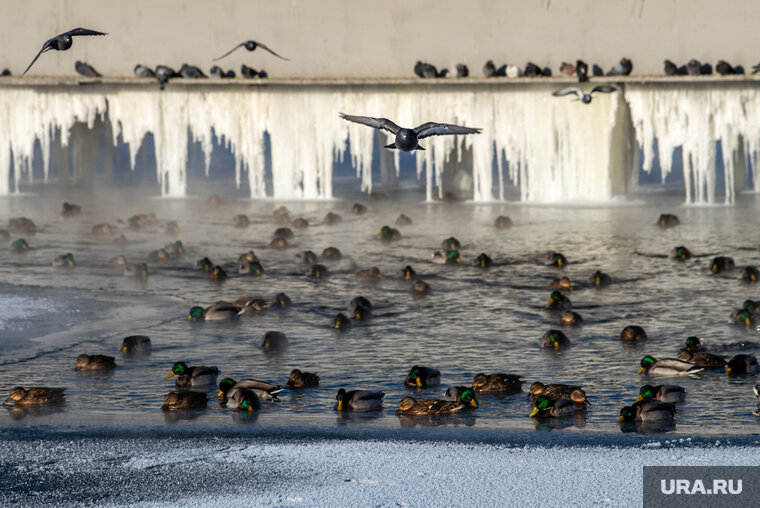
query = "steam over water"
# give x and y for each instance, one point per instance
(474, 320)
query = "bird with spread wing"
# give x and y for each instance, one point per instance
(585, 98)
(62, 42)
(250, 46)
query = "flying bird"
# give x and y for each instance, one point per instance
(585, 98)
(62, 42)
(250, 46)
(407, 139)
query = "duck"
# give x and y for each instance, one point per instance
(20, 245)
(278, 243)
(554, 339)
(667, 367)
(377, 196)
(706, 360)
(403, 220)
(750, 274)
(422, 377)
(300, 379)
(650, 411)
(193, 376)
(561, 283)
(175, 249)
(242, 399)
(663, 393)
(285, 233)
(360, 301)
(241, 221)
(600, 279)
(428, 407)
(742, 365)
(556, 259)
(217, 273)
(205, 264)
(249, 256)
(102, 230)
(389, 234)
(340, 322)
(552, 408)
(273, 340)
(451, 243)
(159, 255)
(483, 261)
(281, 300)
(633, 333)
(450, 257)
(752, 306)
(358, 209)
(300, 223)
(694, 344)
(95, 362)
(70, 209)
(331, 253)
(680, 253)
(558, 391)
(317, 271)
(332, 218)
(361, 313)
(140, 270)
(359, 400)
(250, 268)
(251, 304)
(216, 312)
(21, 225)
(558, 301)
(407, 272)
(372, 274)
(281, 214)
(136, 344)
(37, 396)
(184, 400)
(667, 220)
(170, 228)
(722, 264)
(262, 389)
(420, 288)
(307, 257)
(497, 384)
(570, 318)
(119, 261)
(743, 317)
(65, 260)
(502, 222)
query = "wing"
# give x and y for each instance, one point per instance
(568, 91)
(602, 89)
(230, 51)
(45, 47)
(83, 31)
(377, 123)
(441, 129)
(263, 46)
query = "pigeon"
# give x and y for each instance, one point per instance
(247, 72)
(532, 70)
(164, 74)
(510, 71)
(670, 68)
(62, 42)
(85, 69)
(462, 71)
(418, 69)
(585, 98)
(693, 67)
(596, 70)
(706, 69)
(229, 74)
(407, 139)
(567, 69)
(216, 72)
(622, 68)
(191, 72)
(756, 69)
(430, 71)
(144, 72)
(724, 68)
(489, 69)
(6, 72)
(250, 46)
(581, 69)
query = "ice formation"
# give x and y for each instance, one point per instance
(555, 149)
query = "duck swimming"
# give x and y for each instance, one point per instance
(300, 223)
(331, 253)
(250, 268)
(752, 306)
(285, 233)
(37, 396)
(358, 209)
(570, 318)
(403, 220)
(668, 220)
(217, 273)
(21, 225)
(667, 367)
(118, 262)
(262, 389)
(389, 234)
(216, 312)
(317, 271)
(184, 400)
(742, 365)
(136, 344)
(722, 264)
(340, 322)
(361, 313)
(502, 222)
(558, 391)
(483, 261)
(70, 209)
(556, 259)
(65, 260)
(554, 339)
(428, 407)
(242, 399)
(193, 376)
(273, 340)
(633, 333)
(372, 274)
(102, 230)
(281, 300)
(158, 255)
(557, 301)
(680, 253)
(750, 274)
(278, 243)
(359, 400)
(95, 362)
(332, 218)
(140, 270)
(420, 288)
(249, 256)
(553, 408)
(561, 283)
(649, 411)
(422, 377)
(307, 257)
(743, 317)
(241, 221)
(600, 279)
(497, 384)
(407, 272)
(706, 360)
(451, 243)
(446, 257)
(204, 264)
(300, 379)
(20, 245)
(663, 393)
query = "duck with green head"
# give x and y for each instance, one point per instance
(20, 245)
(140, 271)
(556, 259)
(204, 264)
(753, 306)
(663, 393)
(281, 300)
(680, 253)
(317, 271)
(667, 367)
(743, 317)
(307, 257)
(556, 408)
(554, 339)
(242, 399)
(262, 389)
(451, 243)
(558, 301)
(250, 268)
(65, 260)
(650, 411)
(216, 312)
(359, 400)
(422, 377)
(193, 376)
(447, 257)
(389, 234)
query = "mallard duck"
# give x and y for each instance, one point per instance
(65, 260)
(360, 301)
(285, 233)
(372, 274)
(136, 344)
(242, 399)
(273, 340)
(680, 253)
(358, 209)
(102, 230)
(555, 259)
(216, 312)
(217, 273)
(184, 400)
(600, 279)
(159, 255)
(389, 234)
(721, 264)
(118, 262)
(281, 214)
(170, 228)
(570, 318)
(317, 271)
(667, 367)
(95, 362)
(403, 220)
(552, 408)
(668, 220)
(450, 257)
(359, 400)
(743, 317)
(633, 333)
(361, 313)
(451, 243)
(37, 396)
(561, 283)
(204, 264)
(20, 245)
(21, 225)
(241, 221)
(497, 384)
(278, 243)
(663, 393)
(428, 407)
(558, 301)
(193, 376)
(651, 411)
(215, 200)
(300, 379)
(483, 261)
(140, 270)
(300, 223)
(262, 389)
(407, 272)
(248, 268)
(554, 339)
(332, 218)
(750, 274)
(752, 305)
(281, 300)
(340, 322)
(558, 391)
(502, 222)
(694, 344)
(422, 377)
(175, 249)
(70, 209)
(420, 288)
(706, 360)
(331, 253)
(742, 365)
(307, 256)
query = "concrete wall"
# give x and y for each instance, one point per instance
(353, 38)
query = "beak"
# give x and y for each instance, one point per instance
(728, 371)
(170, 375)
(556, 345)
(746, 321)
(473, 403)
(340, 405)
(641, 369)
(8, 400)
(621, 419)
(752, 277)
(559, 263)
(380, 233)
(459, 260)
(715, 268)
(189, 318)
(250, 408)
(258, 272)
(640, 398)
(598, 281)
(534, 412)
(549, 302)
(124, 349)
(419, 382)
(220, 394)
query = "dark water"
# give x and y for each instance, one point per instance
(474, 321)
